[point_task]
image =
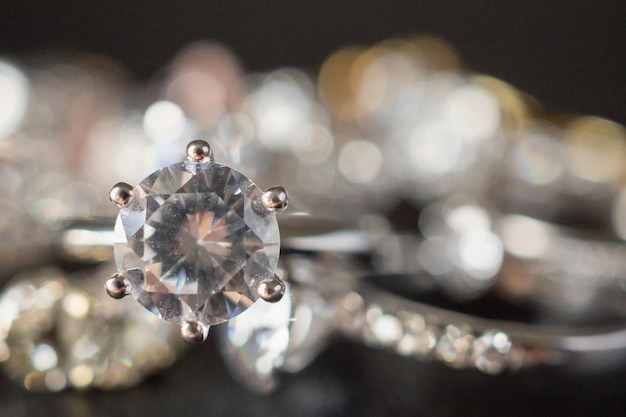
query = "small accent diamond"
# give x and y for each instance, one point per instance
(454, 347)
(491, 351)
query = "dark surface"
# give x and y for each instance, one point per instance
(347, 380)
(571, 56)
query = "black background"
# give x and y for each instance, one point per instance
(570, 55)
(346, 380)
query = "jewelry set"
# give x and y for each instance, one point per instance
(422, 209)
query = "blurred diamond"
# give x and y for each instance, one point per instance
(57, 333)
(490, 351)
(454, 347)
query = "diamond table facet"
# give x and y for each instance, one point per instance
(195, 241)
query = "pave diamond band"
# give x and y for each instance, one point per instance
(463, 341)
(328, 296)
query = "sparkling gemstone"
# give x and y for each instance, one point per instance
(386, 329)
(491, 351)
(418, 339)
(454, 347)
(285, 336)
(256, 343)
(195, 241)
(58, 332)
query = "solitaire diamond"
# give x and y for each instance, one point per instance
(194, 241)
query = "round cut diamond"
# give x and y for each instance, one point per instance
(195, 241)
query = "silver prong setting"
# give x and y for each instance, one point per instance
(194, 332)
(117, 286)
(121, 194)
(275, 198)
(199, 151)
(271, 290)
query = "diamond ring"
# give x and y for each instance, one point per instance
(197, 242)
(470, 197)
(328, 296)
(60, 330)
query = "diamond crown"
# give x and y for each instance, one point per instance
(195, 242)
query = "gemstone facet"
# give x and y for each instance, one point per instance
(195, 241)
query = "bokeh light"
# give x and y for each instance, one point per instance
(14, 97)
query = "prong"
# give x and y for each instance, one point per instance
(276, 198)
(199, 151)
(117, 286)
(271, 289)
(194, 332)
(121, 193)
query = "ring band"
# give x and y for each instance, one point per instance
(364, 308)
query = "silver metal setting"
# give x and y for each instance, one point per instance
(271, 290)
(199, 151)
(121, 194)
(194, 332)
(117, 286)
(276, 198)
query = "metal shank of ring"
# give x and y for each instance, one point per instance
(586, 348)
(533, 344)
